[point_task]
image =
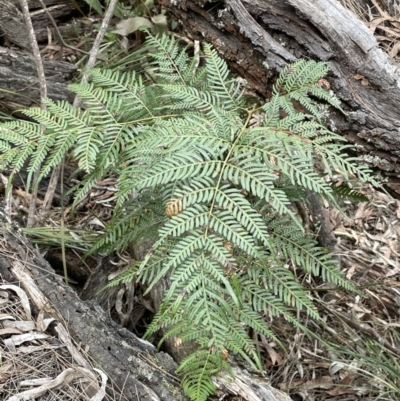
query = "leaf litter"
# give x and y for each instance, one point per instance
(36, 363)
(356, 353)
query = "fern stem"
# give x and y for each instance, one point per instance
(151, 118)
(217, 186)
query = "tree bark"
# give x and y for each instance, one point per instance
(20, 84)
(13, 26)
(258, 38)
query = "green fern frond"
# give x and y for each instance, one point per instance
(198, 370)
(139, 218)
(219, 82)
(300, 75)
(213, 192)
(346, 192)
(261, 300)
(304, 253)
(298, 80)
(171, 61)
(124, 278)
(281, 282)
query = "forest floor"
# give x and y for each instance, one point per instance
(364, 324)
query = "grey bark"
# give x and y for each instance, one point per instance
(258, 38)
(134, 366)
(19, 84)
(12, 25)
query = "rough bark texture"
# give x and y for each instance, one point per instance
(12, 23)
(18, 76)
(20, 83)
(131, 364)
(258, 38)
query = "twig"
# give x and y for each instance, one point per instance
(48, 199)
(90, 64)
(51, 190)
(96, 45)
(61, 39)
(365, 328)
(63, 255)
(43, 95)
(56, 172)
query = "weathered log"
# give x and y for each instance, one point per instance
(258, 38)
(19, 86)
(131, 364)
(12, 24)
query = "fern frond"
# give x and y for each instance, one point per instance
(214, 193)
(300, 75)
(262, 300)
(139, 218)
(304, 253)
(124, 278)
(218, 79)
(198, 370)
(171, 61)
(346, 192)
(283, 284)
(131, 98)
(298, 80)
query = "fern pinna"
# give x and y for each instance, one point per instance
(214, 187)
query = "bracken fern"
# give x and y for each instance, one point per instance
(213, 190)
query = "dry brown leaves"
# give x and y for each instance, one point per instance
(385, 27)
(37, 365)
(369, 248)
(368, 244)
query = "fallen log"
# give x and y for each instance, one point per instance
(20, 84)
(12, 24)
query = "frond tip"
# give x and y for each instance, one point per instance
(198, 370)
